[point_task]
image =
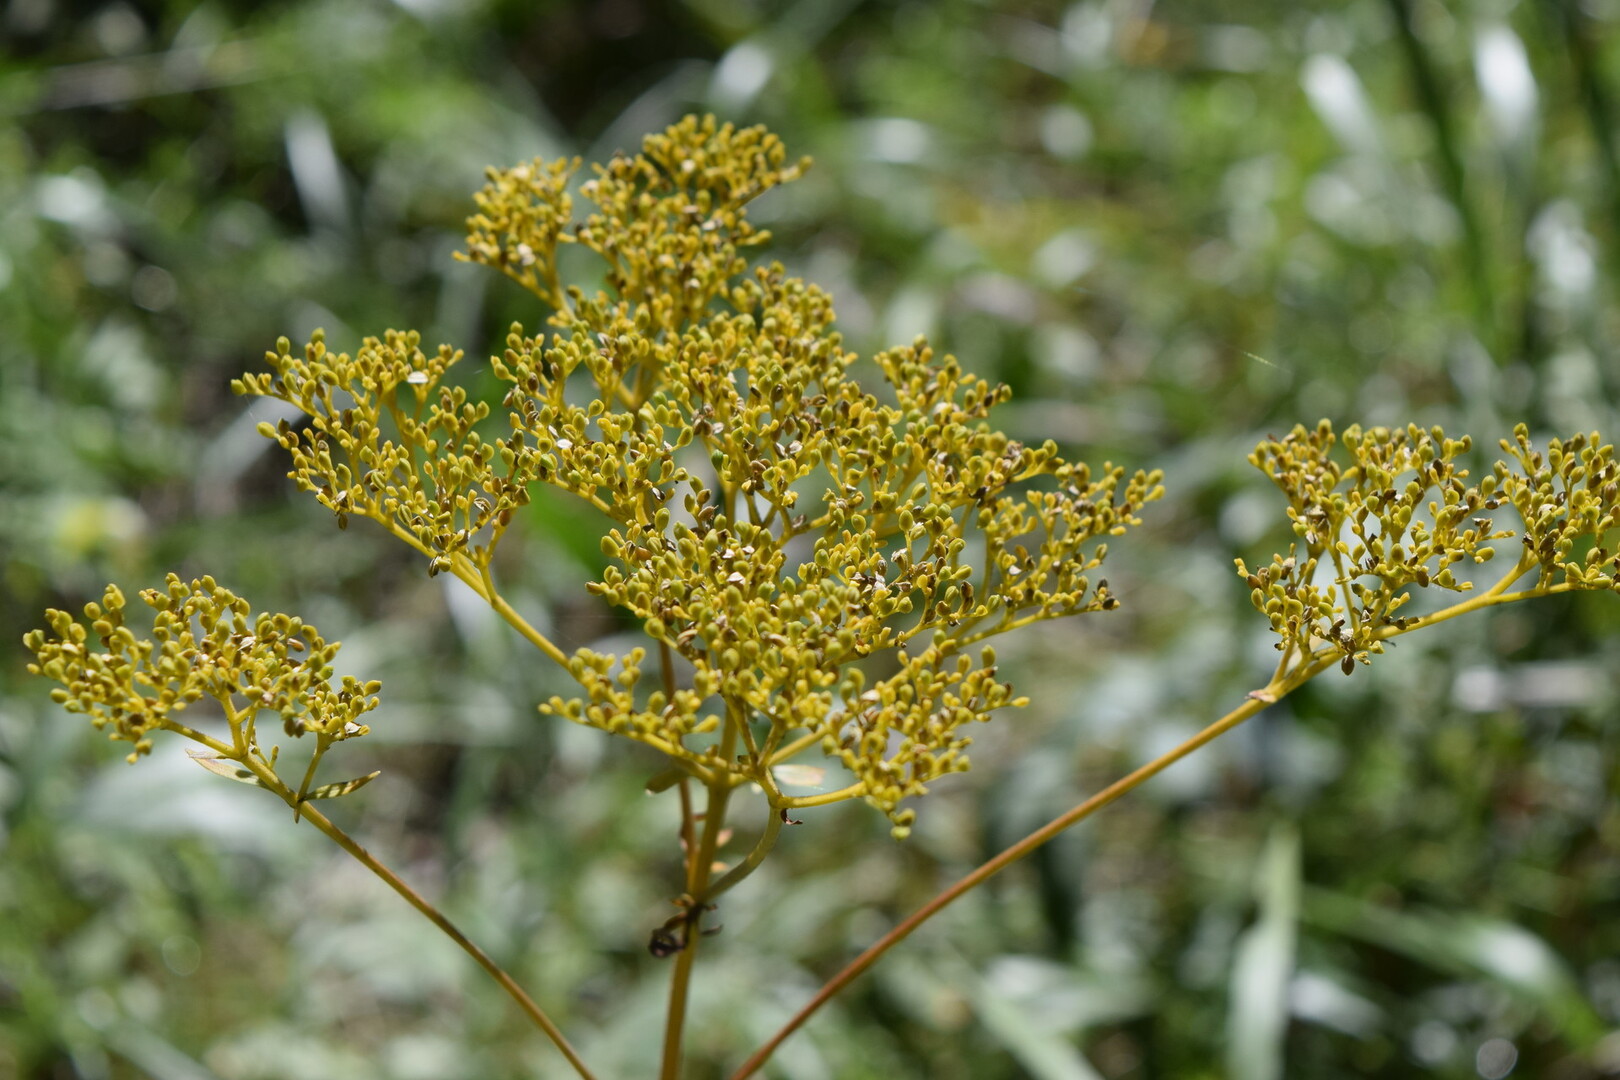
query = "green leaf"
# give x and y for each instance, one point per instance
(223, 767)
(342, 787)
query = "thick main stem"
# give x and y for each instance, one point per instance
(699, 872)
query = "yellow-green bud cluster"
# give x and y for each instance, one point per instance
(1396, 512)
(769, 520)
(522, 213)
(441, 486)
(206, 642)
(1567, 498)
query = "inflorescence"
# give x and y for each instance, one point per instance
(1396, 511)
(828, 562)
(205, 642)
(769, 520)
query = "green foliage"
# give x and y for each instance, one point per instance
(1118, 212)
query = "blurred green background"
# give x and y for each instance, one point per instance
(1172, 227)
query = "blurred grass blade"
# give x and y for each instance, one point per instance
(317, 173)
(806, 776)
(1263, 968)
(1467, 946)
(1508, 88)
(1044, 1053)
(1339, 99)
(1596, 102)
(1430, 89)
(154, 1054)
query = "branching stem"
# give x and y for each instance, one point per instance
(767, 841)
(855, 968)
(1344, 587)
(826, 798)
(474, 579)
(666, 657)
(1278, 688)
(788, 752)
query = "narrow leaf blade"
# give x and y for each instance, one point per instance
(227, 769)
(342, 787)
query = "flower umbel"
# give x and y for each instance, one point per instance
(772, 523)
(206, 643)
(1398, 513)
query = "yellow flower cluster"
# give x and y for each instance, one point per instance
(1398, 512)
(771, 522)
(437, 483)
(206, 643)
(1567, 497)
